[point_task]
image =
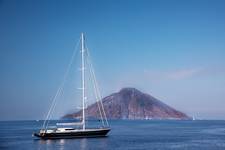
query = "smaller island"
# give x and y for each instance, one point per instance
(130, 103)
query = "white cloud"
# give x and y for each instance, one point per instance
(172, 74)
(183, 74)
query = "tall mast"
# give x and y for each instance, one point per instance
(83, 78)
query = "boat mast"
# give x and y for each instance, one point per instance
(83, 79)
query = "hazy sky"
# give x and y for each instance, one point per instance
(171, 49)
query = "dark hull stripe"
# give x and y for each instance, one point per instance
(94, 133)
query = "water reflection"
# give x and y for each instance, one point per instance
(83, 144)
(62, 144)
(80, 143)
(51, 144)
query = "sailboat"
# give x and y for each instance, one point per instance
(77, 129)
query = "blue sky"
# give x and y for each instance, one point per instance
(173, 50)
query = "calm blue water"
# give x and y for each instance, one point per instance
(166, 135)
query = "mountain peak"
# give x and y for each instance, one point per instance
(129, 90)
(130, 103)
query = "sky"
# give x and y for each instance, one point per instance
(171, 49)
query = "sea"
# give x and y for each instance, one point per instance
(125, 135)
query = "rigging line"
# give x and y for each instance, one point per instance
(95, 89)
(100, 97)
(61, 86)
(99, 94)
(60, 89)
(97, 99)
(101, 102)
(96, 95)
(48, 121)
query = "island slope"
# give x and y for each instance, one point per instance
(130, 103)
